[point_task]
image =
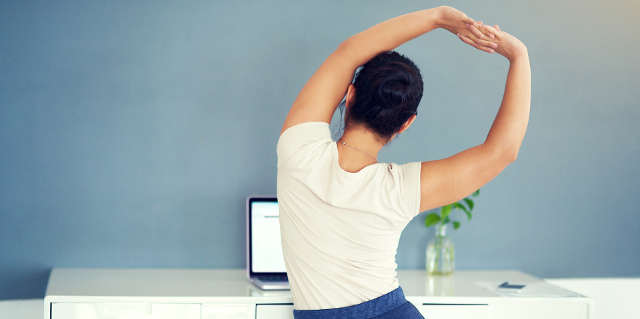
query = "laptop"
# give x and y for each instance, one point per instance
(265, 262)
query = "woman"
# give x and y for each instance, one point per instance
(341, 211)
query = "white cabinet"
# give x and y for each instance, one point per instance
(228, 311)
(102, 293)
(103, 310)
(545, 308)
(124, 310)
(274, 311)
(454, 311)
(175, 311)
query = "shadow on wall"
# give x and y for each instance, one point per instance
(23, 282)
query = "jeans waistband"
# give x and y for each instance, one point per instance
(367, 309)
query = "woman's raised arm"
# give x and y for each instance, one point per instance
(448, 180)
(325, 89)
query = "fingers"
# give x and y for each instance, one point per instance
(481, 28)
(473, 43)
(468, 20)
(485, 49)
(466, 40)
(474, 29)
(486, 43)
(493, 31)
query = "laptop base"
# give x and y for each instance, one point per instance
(270, 285)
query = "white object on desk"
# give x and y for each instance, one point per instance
(226, 293)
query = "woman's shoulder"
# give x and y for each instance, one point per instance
(299, 142)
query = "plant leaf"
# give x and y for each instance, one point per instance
(460, 206)
(456, 224)
(446, 220)
(445, 211)
(464, 208)
(469, 202)
(431, 219)
(476, 193)
(466, 211)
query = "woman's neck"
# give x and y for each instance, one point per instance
(361, 150)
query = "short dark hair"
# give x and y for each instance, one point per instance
(388, 91)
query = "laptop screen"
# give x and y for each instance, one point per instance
(266, 248)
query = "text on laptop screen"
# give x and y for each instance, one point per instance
(266, 248)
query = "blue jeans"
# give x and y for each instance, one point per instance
(390, 305)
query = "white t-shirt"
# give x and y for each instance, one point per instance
(339, 230)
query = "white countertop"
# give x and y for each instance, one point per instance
(233, 283)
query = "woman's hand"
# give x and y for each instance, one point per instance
(508, 46)
(459, 24)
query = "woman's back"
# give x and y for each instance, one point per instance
(340, 230)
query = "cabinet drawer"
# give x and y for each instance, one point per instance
(227, 311)
(274, 311)
(451, 311)
(123, 310)
(101, 310)
(548, 308)
(175, 311)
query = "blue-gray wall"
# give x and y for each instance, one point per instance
(131, 131)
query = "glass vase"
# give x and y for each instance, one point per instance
(440, 253)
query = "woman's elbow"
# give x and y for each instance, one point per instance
(503, 154)
(511, 154)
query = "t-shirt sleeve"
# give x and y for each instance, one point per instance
(408, 179)
(300, 137)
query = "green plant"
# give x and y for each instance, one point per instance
(446, 210)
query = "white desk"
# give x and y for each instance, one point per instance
(226, 293)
